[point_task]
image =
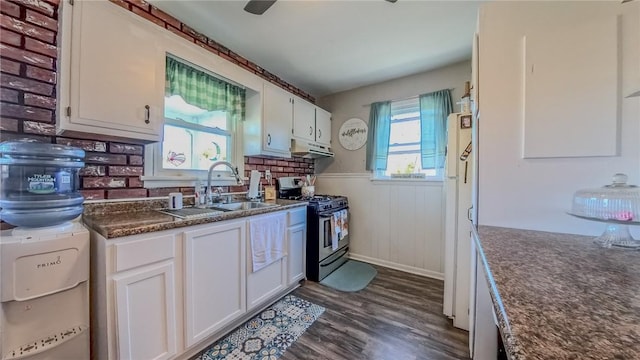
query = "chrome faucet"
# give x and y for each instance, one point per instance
(234, 169)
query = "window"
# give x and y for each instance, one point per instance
(202, 121)
(404, 141)
(408, 137)
(194, 137)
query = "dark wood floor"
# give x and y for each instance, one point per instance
(397, 317)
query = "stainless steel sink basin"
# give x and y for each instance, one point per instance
(215, 209)
(191, 213)
(245, 205)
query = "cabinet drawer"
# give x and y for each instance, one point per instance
(136, 253)
(297, 216)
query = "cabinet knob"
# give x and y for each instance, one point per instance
(147, 114)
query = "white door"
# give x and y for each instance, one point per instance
(296, 242)
(145, 312)
(117, 82)
(323, 126)
(278, 118)
(304, 119)
(214, 283)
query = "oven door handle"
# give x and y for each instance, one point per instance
(344, 252)
(329, 214)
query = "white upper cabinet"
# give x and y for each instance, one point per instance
(113, 72)
(277, 118)
(311, 123)
(267, 128)
(323, 127)
(304, 120)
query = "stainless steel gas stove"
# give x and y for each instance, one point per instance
(324, 255)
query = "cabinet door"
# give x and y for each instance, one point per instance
(296, 242)
(265, 283)
(304, 119)
(485, 333)
(323, 126)
(268, 281)
(214, 283)
(277, 118)
(116, 68)
(145, 312)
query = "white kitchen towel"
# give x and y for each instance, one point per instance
(336, 221)
(267, 234)
(344, 214)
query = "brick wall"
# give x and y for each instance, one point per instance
(28, 54)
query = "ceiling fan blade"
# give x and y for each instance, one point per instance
(258, 7)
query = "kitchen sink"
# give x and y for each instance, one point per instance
(191, 213)
(214, 209)
(245, 205)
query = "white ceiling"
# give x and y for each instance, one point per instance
(325, 46)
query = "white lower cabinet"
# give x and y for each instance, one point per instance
(484, 334)
(214, 278)
(145, 312)
(268, 281)
(169, 294)
(265, 283)
(296, 245)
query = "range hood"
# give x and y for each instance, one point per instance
(309, 149)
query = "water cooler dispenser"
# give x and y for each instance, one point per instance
(44, 262)
(45, 293)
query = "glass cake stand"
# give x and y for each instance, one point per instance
(616, 234)
(617, 205)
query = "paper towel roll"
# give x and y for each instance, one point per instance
(253, 184)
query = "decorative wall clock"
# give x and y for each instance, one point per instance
(353, 134)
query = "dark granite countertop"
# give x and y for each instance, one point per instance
(560, 296)
(118, 219)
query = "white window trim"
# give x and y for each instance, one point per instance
(186, 178)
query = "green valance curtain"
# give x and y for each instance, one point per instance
(200, 89)
(435, 107)
(378, 136)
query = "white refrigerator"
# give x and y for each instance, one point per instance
(458, 188)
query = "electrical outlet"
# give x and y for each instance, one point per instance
(267, 176)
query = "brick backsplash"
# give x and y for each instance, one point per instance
(28, 54)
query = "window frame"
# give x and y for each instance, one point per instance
(157, 177)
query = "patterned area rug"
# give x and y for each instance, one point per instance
(269, 334)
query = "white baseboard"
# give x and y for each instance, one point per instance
(395, 266)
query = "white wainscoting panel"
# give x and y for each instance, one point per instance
(397, 224)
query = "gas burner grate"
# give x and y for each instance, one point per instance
(315, 198)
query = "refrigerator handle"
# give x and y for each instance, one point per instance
(469, 213)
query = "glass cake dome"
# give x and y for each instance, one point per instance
(617, 204)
